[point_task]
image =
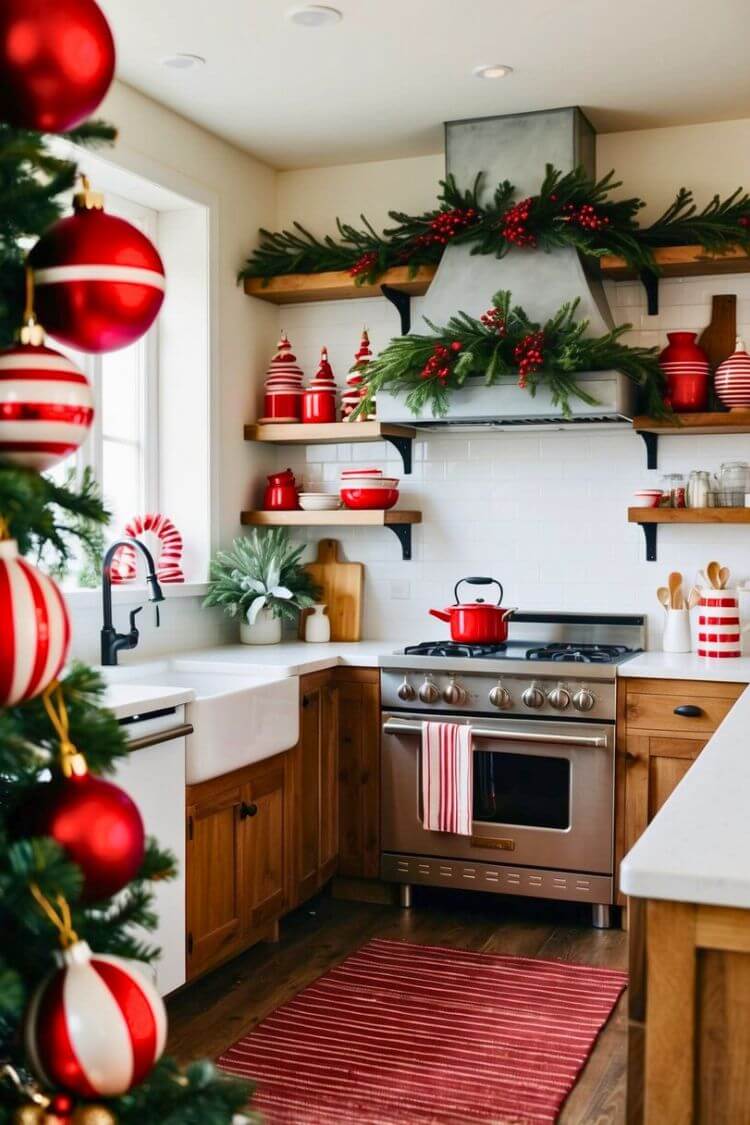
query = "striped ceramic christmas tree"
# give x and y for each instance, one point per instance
(354, 392)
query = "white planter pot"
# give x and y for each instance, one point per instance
(265, 630)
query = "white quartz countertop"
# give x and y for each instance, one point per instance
(687, 666)
(697, 846)
(126, 699)
(293, 658)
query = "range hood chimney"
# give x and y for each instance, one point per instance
(517, 147)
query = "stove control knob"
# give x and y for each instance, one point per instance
(559, 698)
(454, 694)
(406, 692)
(501, 698)
(429, 691)
(533, 697)
(584, 700)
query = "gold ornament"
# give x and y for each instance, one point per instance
(93, 1115)
(29, 1115)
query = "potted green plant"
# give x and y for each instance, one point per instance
(261, 582)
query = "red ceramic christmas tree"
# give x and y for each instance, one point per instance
(319, 400)
(355, 391)
(283, 386)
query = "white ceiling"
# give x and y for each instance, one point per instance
(379, 84)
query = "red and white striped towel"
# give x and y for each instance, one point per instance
(447, 778)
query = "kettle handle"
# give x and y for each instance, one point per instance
(477, 581)
(441, 614)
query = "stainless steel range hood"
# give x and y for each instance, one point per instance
(517, 147)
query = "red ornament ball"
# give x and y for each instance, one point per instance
(57, 60)
(46, 406)
(99, 281)
(97, 824)
(95, 1026)
(35, 629)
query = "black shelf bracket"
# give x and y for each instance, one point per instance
(402, 531)
(404, 447)
(650, 283)
(402, 303)
(652, 448)
(650, 532)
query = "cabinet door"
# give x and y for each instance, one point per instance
(215, 875)
(655, 765)
(264, 819)
(317, 785)
(328, 781)
(359, 774)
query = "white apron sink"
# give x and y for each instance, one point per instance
(237, 719)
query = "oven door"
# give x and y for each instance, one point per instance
(543, 794)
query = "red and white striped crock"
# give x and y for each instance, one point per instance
(719, 628)
(732, 379)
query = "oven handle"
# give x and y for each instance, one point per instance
(394, 726)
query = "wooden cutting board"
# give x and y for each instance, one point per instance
(718, 339)
(341, 585)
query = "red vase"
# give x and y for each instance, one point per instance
(687, 370)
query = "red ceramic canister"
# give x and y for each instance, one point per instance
(687, 370)
(318, 406)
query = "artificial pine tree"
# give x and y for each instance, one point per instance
(58, 737)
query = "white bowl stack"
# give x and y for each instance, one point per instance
(319, 501)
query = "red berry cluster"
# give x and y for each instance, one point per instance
(439, 364)
(744, 221)
(446, 225)
(364, 264)
(584, 215)
(514, 224)
(529, 355)
(494, 320)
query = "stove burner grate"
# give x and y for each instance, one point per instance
(579, 653)
(452, 648)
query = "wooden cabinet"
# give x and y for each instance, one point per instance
(662, 727)
(359, 772)
(316, 786)
(238, 860)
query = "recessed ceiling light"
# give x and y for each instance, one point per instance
(314, 15)
(493, 70)
(182, 61)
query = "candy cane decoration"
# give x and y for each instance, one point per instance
(168, 567)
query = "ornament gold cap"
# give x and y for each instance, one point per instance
(30, 332)
(86, 199)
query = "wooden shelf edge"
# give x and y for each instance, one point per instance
(717, 422)
(291, 433)
(338, 285)
(681, 261)
(341, 517)
(688, 515)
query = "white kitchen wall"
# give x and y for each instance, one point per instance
(543, 511)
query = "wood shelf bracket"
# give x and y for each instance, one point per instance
(651, 441)
(402, 303)
(402, 531)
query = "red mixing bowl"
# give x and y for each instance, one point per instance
(369, 499)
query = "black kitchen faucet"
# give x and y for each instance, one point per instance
(112, 641)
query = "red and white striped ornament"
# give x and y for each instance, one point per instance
(169, 563)
(732, 379)
(35, 629)
(99, 281)
(46, 406)
(96, 1026)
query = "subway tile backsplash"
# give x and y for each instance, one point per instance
(545, 512)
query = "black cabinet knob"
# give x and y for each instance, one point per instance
(688, 711)
(247, 810)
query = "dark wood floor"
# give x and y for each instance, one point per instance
(211, 1014)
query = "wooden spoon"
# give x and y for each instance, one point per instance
(723, 577)
(675, 590)
(663, 595)
(694, 597)
(713, 570)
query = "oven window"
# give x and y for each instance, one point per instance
(521, 789)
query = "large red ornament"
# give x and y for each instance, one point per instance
(97, 824)
(34, 628)
(99, 280)
(57, 60)
(96, 1026)
(46, 406)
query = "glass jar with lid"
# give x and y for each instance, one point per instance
(733, 483)
(673, 489)
(699, 489)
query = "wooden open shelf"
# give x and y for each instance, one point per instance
(685, 425)
(339, 285)
(399, 521)
(650, 520)
(681, 261)
(334, 433)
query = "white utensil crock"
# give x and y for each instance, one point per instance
(677, 631)
(265, 630)
(318, 626)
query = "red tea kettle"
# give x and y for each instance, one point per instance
(477, 622)
(281, 493)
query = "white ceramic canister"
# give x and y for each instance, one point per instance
(265, 630)
(677, 631)
(719, 628)
(318, 625)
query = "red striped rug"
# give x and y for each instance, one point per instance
(401, 1033)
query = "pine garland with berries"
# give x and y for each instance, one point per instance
(504, 342)
(569, 209)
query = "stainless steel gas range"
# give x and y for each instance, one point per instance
(542, 712)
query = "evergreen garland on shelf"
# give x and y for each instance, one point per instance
(569, 209)
(505, 342)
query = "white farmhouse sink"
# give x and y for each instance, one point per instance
(237, 719)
